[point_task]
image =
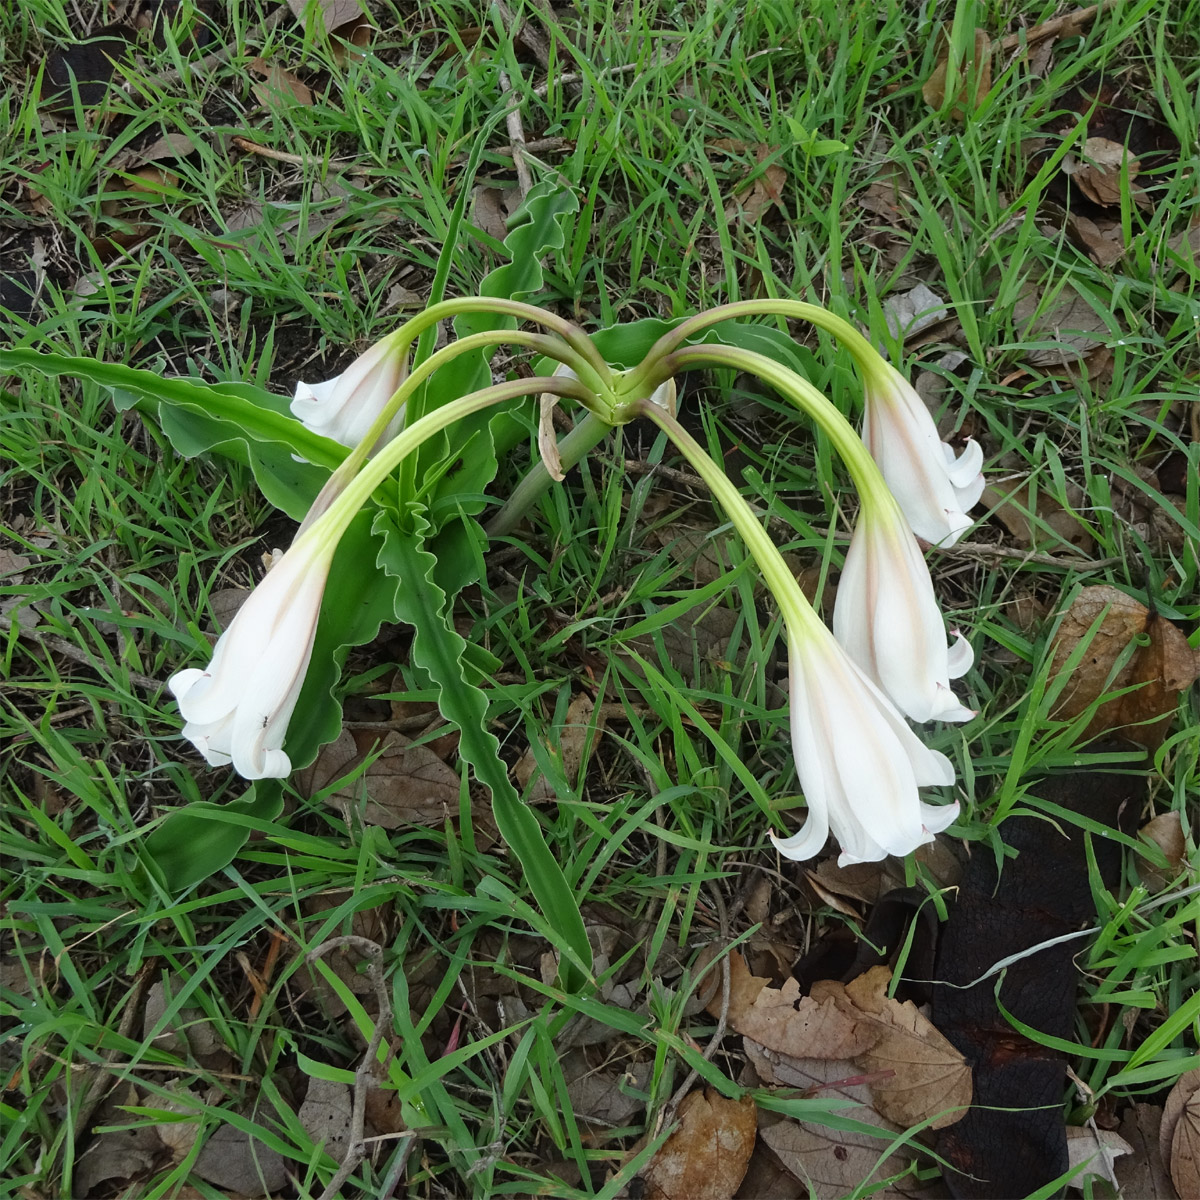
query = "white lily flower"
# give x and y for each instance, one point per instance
(859, 764)
(345, 407)
(935, 488)
(887, 619)
(238, 709)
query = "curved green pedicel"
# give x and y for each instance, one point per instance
(869, 361)
(549, 347)
(328, 528)
(798, 613)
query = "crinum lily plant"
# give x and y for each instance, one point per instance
(852, 691)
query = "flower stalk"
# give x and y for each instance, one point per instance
(859, 764)
(934, 487)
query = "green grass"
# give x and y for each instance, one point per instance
(128, 546)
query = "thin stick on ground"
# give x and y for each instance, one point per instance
(364, 1076)
(516, 139)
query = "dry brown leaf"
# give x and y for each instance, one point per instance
(928, 1075)
(1103, 239)
(179, 1136)
(832, 1162)
(1186, 1086)
(489, 211)
(575, 738)
(750, 202)
(706, 1157)
(279, 84)
(1014, 504)
(1165, 664)
(1166, 832)
(407, 784)
(1185, 1149)
(782, 1020)
(123, 1154)
(934, 88)
(908, 313)
(1068, 322)
(170, 145)
(231, 1159)
(595, 1091)
(1141, 1174)
(188, 1032)
(1095, 1151)
(328, 16)
(1100, 168)
(325, 1115)
(744, 989)
(866, 882)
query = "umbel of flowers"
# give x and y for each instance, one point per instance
(888, 659)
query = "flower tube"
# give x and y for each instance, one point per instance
(237, 710)
(887, 618)
(934, 487)
(345, 407)
(859, 764)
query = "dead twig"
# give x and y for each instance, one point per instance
(364, 1075)
(718, 1036)
(526, 32)
(516, 140)
(1063, 26)
(297, 160)
(92, 1093)
(58, 645)
(987, 550)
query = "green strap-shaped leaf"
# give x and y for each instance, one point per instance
(438, 650)
(201, 839)
(537, 229)
(237, 420)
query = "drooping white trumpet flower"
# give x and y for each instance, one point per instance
(887, 618)
(237, 709)
(858, 763)
(934, 488)
(345, 407)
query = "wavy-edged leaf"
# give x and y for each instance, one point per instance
(537, 230)
(438, 650)
(239, 421)
(359, 598)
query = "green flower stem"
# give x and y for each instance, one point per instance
(549, 347)
(798, 613)
(567, 330)
(327, 529)
(868, 479)
(865, 355)
(584, 437)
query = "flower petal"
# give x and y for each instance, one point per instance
(933, 487)
(887, 618)
(859, 764)
(239, 708)
(345, 407)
